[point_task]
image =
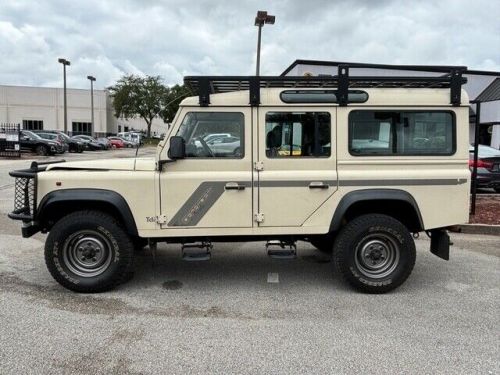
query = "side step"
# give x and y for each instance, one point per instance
(193, 252)
(281, 250)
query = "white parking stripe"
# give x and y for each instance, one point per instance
(273, 277)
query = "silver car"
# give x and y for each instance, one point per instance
(226, 145)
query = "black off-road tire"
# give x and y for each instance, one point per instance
(323, 243)
(359, 246)
(42, 150)
(72, 241)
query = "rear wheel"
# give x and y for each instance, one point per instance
(88, 251)
(374, 253)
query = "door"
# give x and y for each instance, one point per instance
(298, 170)
(212, 186)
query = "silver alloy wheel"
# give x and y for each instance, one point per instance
(377, 255)
(87, 253)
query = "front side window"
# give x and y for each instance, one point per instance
(298, 134)
(401, 133)
(213, 134)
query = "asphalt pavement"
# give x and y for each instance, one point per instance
(242, 312)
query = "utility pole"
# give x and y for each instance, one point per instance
(65, 63)
(261, 19)
(91, 79)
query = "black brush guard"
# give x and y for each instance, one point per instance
(25, 191)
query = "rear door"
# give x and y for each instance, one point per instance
(296, 167)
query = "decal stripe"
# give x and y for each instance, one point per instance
(198, 204)
(205, 196)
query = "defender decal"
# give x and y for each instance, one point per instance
(200, 202)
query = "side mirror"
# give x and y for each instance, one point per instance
(177, 148)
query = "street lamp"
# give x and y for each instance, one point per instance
(65, 63)
(92, 79)
(261, 19)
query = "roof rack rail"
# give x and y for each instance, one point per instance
(342, 82)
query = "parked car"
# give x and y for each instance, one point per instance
(488, 167)
(224, 145)
(134, 137)
(117, 142)
(90, 143)
(126, 142)
(74, 145)
(105, 142)
(30, 141)
(56, 138)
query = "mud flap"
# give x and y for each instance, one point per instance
(440, 243)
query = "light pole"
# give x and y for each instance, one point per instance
(261, 19)
(92, 79)
(65, 63)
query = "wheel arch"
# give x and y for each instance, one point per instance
(59, 203)
(393, 202)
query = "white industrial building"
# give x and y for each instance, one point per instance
(481, 85)
(41, 108)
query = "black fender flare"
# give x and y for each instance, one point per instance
(372, 195)
(88, 196)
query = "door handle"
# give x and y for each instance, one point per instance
(318, 185)
(234, 186)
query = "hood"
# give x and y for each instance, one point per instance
(126, 164)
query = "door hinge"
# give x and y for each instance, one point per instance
(258, 165)
(162, 219)
(259, 218)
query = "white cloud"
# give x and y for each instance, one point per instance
(173, 38)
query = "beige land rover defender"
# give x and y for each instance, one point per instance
(354, 165)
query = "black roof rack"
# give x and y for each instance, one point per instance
(342, 82)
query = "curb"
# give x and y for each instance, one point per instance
(492, 230)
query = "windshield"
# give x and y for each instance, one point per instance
(65, 136)
(31, 135)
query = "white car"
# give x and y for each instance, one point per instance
(224, 145)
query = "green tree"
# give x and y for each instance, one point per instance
(144, 97)
(175, 96)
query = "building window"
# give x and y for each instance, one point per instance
(119, 128)
(32, 124)
(213, 134)
(84, 128)
(401, 133)
(298, 134)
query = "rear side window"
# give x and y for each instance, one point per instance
(298, 134)
(402, 133)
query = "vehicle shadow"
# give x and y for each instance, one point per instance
(235, 264)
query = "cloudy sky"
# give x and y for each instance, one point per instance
(173, 38)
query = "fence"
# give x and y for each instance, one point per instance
(9, 140)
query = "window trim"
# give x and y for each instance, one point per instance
(453, 132)
(220, 157)
(298, 157)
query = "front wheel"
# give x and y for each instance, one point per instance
(374, 253)
(89, 252)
